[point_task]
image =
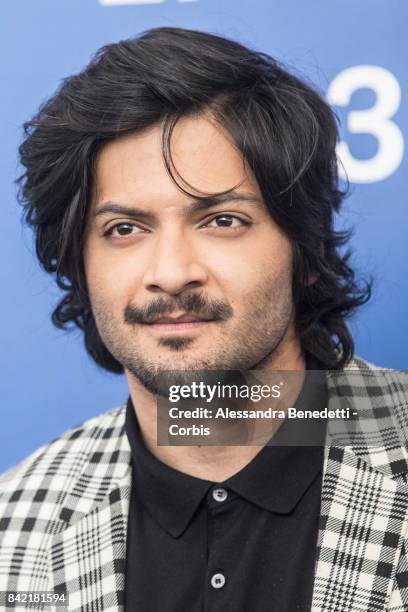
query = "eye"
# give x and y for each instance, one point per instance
(120, 227)
(226, 221)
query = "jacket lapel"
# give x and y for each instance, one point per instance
(88, 558)
(364, 518)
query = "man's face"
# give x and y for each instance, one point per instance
(229, 263)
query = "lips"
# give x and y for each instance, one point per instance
(184, 318)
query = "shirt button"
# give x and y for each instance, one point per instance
(218, 581)
(219, 495)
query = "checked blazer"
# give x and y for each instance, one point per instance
(64, 509)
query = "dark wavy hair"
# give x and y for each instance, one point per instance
(285, 131)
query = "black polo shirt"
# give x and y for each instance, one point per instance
(246, 544)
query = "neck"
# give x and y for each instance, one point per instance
(214, 463)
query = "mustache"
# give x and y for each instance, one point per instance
(193, 303)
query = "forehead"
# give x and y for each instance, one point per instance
(203, 154)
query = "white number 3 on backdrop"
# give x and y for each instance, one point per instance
(375, 120)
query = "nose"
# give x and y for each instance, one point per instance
(173, 265)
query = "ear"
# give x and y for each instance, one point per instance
(312, 279)
(314, 276)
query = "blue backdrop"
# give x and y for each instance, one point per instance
(354, 52)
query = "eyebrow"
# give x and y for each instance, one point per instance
(193, 207)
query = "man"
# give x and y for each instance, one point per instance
(183, 190)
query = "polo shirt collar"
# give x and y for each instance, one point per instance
(276, 479)
(171, 497)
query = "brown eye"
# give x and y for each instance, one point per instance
(123, 229)
(227, 221)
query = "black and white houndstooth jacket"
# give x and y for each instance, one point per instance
(64, 509)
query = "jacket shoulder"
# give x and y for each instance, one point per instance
(357, 364)
(56, 464)
(42, 494)
(387, 382)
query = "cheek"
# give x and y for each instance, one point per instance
(266, 263)
(110, 278)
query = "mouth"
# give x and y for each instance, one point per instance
(182, 323)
